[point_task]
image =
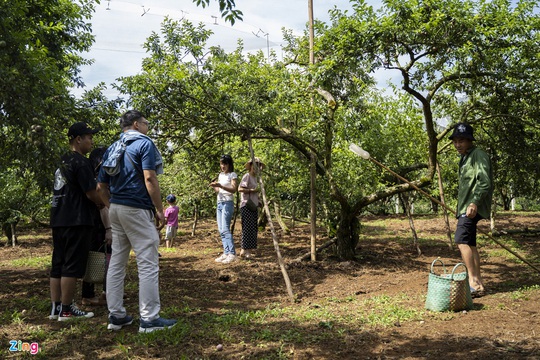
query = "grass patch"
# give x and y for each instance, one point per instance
(335, 315)
(386, 311)
(38, 262)
(525, 292)
(196, 252)
(501, 252)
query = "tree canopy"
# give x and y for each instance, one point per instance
(450, 56)
(471, 61)
(40, 46)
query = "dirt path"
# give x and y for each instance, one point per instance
(343, 310)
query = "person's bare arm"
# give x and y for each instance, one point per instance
(104, 193)
(215, 185)
(230, 188)
(104, 214)
(152, 185)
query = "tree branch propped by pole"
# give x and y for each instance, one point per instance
(270, 223)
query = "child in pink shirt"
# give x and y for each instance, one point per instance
(171, 215)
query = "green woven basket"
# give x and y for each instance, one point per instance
(448, 292)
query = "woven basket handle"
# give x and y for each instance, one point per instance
(455, 267)
(438, 260)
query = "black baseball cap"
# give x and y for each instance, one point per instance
(80, 128)
(463, 130)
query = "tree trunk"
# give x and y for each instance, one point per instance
(279, 219)
(13, 235)
(505, 200)
(493, 214)
(7, 227)
(407, 207)
(307, 256)
(195, 219)
(347, 236)
(236, 212)
(293, 215)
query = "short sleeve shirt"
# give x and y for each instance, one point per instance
(226, 179)
(171, 214)
(249, 182)
(128, 187)
(72, 180)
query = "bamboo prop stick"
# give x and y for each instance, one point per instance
(365, 155)
(445, 213)
(271, 224)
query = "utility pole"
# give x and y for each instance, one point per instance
(313, 160)
(268, 46)
(311, 32)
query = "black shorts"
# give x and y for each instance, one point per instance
(466, 230)
(70, 251)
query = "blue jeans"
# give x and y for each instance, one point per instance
(224, 215)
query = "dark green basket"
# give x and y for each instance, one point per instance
(448, 292)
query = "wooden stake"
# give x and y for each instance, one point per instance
(445, 213)
(271, 224)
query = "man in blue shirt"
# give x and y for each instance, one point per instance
(128, 184)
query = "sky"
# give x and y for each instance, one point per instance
(122, 26)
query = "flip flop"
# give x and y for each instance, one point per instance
(476, 293)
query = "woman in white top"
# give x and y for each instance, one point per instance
(225, 187)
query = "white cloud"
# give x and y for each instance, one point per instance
(121, 27)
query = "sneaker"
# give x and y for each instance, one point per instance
(230, 258)
(117, 324)
(158, 324)
(55, 312)
(74, 312)
(221, 258)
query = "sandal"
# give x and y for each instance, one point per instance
(477, 293)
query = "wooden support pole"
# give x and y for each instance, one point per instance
(271, 224)
(313, 206)
(445, 213)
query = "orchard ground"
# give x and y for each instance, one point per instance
(371, 308)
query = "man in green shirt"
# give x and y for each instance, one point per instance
(474, 199)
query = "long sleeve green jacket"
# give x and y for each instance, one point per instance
(475, 182)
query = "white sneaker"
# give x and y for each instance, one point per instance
(230, 258)
(221, 258)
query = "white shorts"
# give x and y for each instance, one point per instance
(170, 233)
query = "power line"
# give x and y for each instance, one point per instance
(211, 19)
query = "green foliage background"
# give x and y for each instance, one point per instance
(472, 61)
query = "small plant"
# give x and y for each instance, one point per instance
(123, 349)
(39, 262)
(524, 292)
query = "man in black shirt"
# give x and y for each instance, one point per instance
(72, 220)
